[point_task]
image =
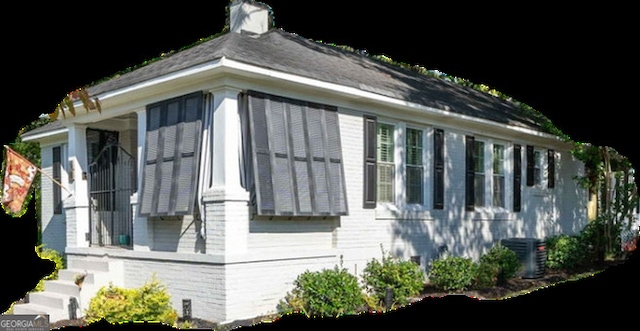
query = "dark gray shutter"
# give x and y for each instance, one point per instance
(470, 157)
(57, 167)
(189, 136)
(297, 157)
(370, 159)
(517, 178)
(551, 166)
(148, 200)
(530, 166)
(438, 169)
(172, 155)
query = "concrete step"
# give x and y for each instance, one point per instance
(49, 299)
(89, 264)
(35, 309)
(70, 275)
(62, 287)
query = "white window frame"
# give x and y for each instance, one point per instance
(399, 208)
(423, 165)
(393, 164)
(486, 209)
(502, 174)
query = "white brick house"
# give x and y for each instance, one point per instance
(230, 167)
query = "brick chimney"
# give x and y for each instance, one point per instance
(249, 16)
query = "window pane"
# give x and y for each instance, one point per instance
(385, 143)
(498, 191)
(414, 184)
(479, 189)
(414, 147)
(385, 182)
(498, 159)
(479, 157)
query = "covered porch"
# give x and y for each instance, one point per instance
(103, 174)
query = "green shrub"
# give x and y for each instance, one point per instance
(56, 257)
(499, 264)
(565, 252)
(329, 292)
(405, 277)
(150, 302)
(453, 273)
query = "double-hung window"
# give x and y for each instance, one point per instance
(498, 175)
(479, 174)
(414, 179)
(386, 165)
(537, 168)
(486, 174)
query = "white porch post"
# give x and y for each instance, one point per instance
(77, 206)
(226, 200)
(142, 234)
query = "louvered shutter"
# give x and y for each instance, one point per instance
(370, 159)
(188, 155)
(297, 157)
(172, 155)
(438, 169)
(470, 156)
(551, 168)
(530, 166)
(152, 145)
(517, 178)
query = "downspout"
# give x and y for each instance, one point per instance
(204, 164)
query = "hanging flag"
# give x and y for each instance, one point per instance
(18, 177)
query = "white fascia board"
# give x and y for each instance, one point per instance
(45, 135)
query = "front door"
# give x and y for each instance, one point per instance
(111, 183)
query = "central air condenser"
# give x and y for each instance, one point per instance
(532, 254)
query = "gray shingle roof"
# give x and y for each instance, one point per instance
(55, 125)
(290, 53)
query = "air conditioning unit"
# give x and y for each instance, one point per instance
(532, 254)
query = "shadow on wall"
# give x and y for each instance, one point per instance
(173, 234)
(454, 229)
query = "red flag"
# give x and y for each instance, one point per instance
(18, 177)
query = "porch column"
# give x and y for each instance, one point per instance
(77, 206)
(142, 231)
(226, 201)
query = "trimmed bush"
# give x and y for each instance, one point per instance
(150, 302)
(453, 273)
(498, 264)
(405, 277)
(565, 252)
(56, 257)
(329, 292)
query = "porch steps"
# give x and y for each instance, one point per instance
(56, 297)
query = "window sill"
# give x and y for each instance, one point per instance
(492, 214)
(405, 213)
(540, 192)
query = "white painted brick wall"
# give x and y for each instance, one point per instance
(256, 288)
(53, 226)
(360, 235)
(202, 283)
(177, 235)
